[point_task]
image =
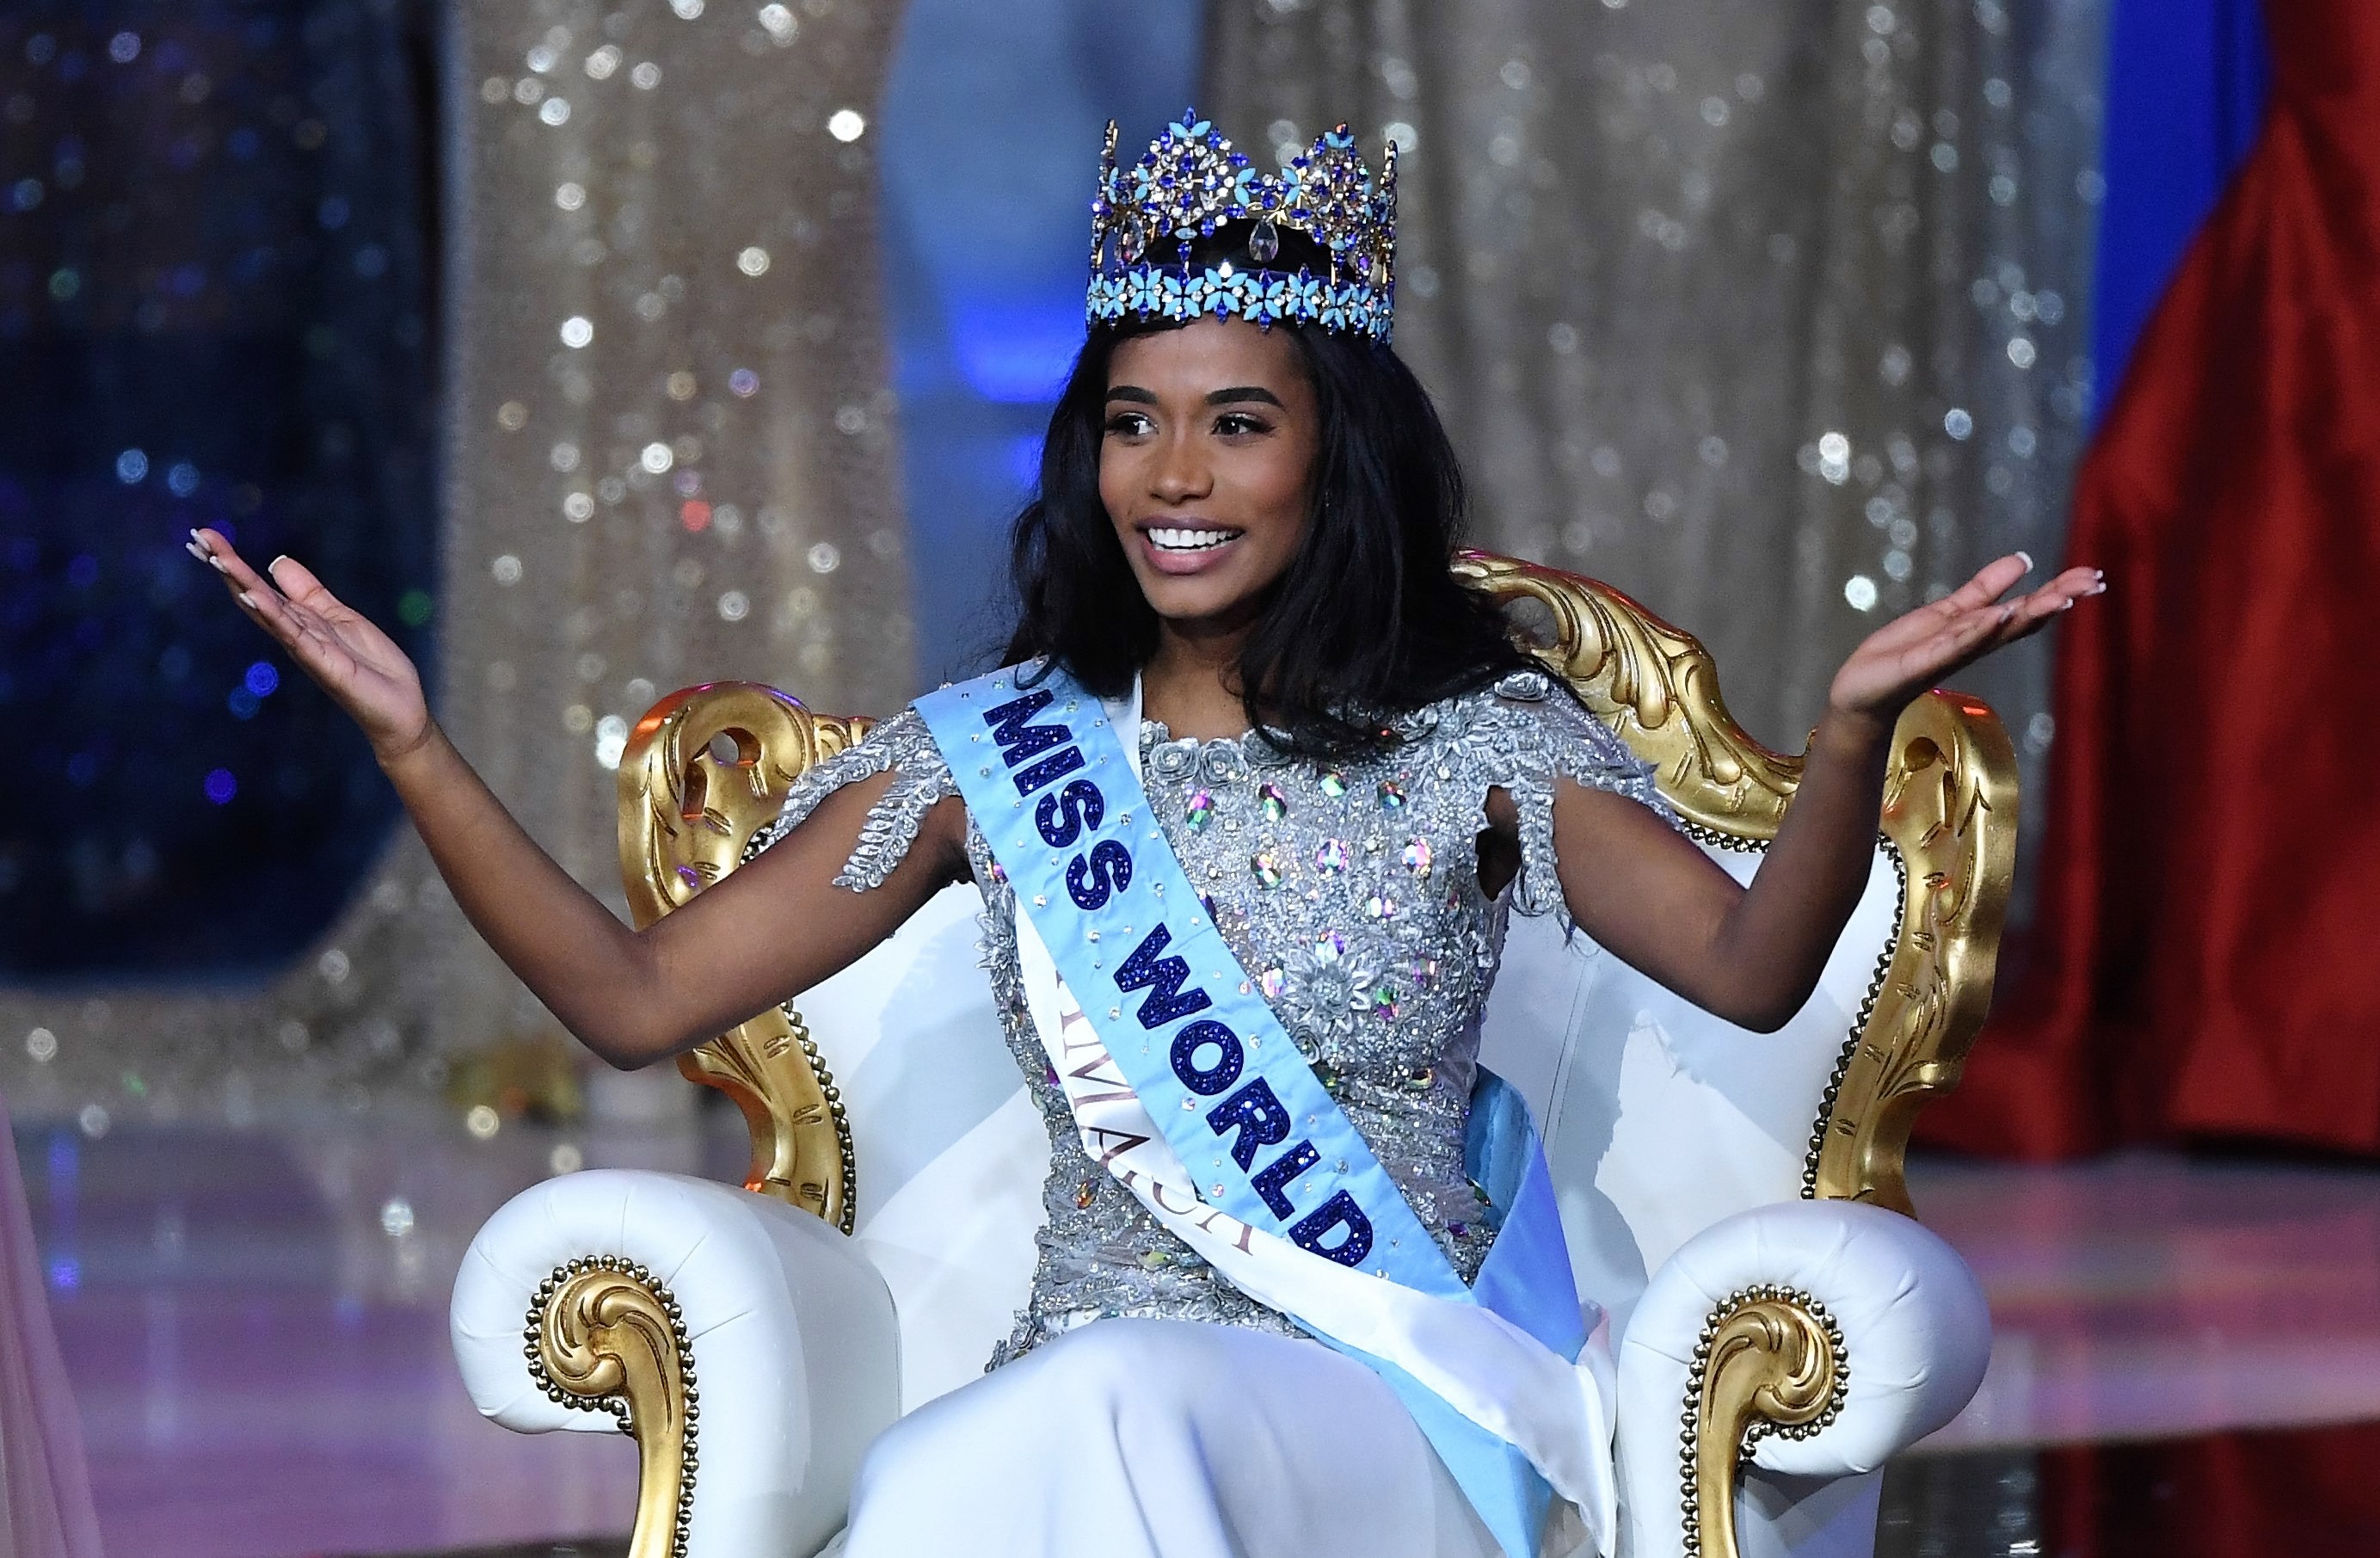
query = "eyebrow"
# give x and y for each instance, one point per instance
(1138, 395)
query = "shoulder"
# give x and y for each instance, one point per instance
(901, 743)
(1535, 731)
(900, 746)
(1521, 714)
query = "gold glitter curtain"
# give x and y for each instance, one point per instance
(1768, 312)
(674, 451)
(672, 460)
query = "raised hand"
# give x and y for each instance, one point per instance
(356, 664)
(1912, 653)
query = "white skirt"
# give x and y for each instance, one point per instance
(1163, 1439)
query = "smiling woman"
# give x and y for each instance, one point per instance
(1247, 809)
(1286, 496)
(1177, 454)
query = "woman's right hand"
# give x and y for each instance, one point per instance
(356, 664)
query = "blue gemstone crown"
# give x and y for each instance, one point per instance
(1193, 183)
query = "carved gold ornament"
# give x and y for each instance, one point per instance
(1655, 687)
(1770, 1361)
(604, 1334)
(705, 771)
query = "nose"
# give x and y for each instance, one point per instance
(1180, 473)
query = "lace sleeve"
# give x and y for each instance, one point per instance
(920, 778)
(1557, 739)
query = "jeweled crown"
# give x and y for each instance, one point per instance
(1193, 183)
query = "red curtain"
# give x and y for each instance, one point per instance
(2299, 1493)
(2206, 955)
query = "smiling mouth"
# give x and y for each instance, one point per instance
(1172, 538)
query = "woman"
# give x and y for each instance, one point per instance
(1236, 621)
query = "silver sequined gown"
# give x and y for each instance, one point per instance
(1350, 895)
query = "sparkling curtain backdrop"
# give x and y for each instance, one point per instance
(671, 460)
(1768, 313)
(673, 418)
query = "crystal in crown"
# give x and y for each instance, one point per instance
(1192, 183)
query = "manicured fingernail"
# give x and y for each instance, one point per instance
(195, 550)
(2098, 588)
(215, 563)
(248, 600)
(276, 562)
(2026, 559)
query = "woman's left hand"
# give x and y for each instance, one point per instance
(1913, 653)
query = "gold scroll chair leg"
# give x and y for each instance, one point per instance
(1770, 1361)
(606, 1335)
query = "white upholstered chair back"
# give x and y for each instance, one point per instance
(1659, 1119)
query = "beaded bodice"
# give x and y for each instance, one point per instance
(1350, 895)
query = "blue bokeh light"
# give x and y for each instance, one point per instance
(1025, 461)
(183, 343)
(990, 130)
(1019, 353)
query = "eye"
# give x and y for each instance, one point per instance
(1130, 424)
(1233, 424)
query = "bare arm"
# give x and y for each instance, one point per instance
(762, 934)
(765, 933)
(1752, 954)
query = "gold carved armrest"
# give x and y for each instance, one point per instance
(704, 771)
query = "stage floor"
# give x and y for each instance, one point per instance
(256, 1321)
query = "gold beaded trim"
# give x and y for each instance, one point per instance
(657, 1297)
(1742, 845)
(848, 1216)
(1704, 834)
(835, 1108)
(1803, 1422)
(1859, 1021)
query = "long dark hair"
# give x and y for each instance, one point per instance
(1367, 623)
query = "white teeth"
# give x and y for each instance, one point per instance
(1168, 539)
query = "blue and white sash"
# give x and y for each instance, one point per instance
(1187, 1087)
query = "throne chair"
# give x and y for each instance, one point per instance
(1735, 1199)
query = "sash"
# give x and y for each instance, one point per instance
(1187, 1089)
